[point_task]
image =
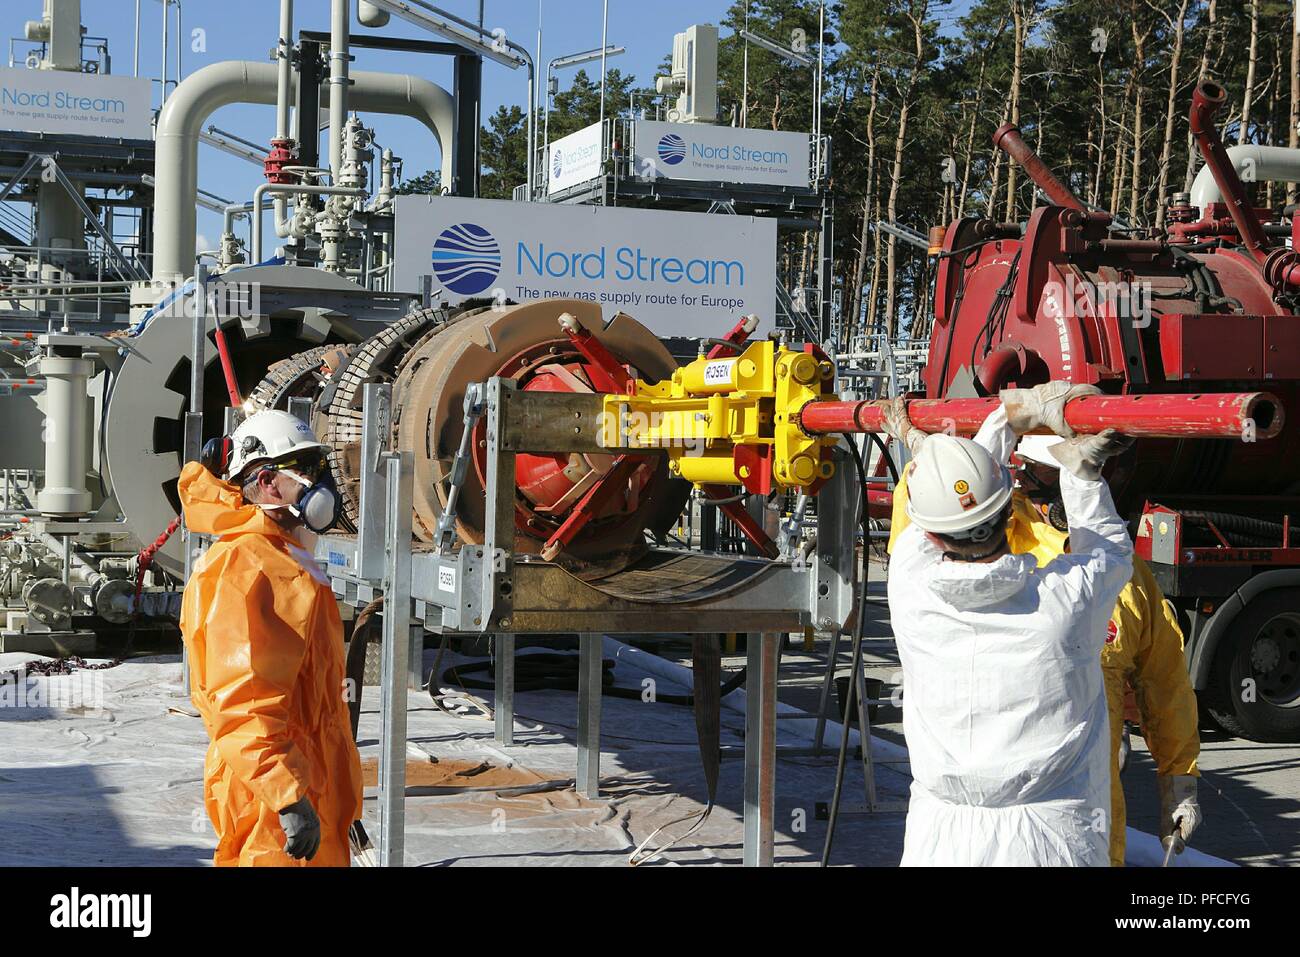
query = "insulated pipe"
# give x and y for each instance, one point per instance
(1008, 139)
(1206, 100)
(66, 427)
(1252, 163)
(284, 70)
(283, 91)
(1228, 415)
(287, 188)
(215, 86)
(338, 83)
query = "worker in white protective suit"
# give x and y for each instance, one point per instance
(1004, 706)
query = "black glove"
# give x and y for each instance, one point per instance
(301, 830)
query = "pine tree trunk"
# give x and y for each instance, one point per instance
(1293, 128)
(1013, 97)
(1139, 50)
(917, 16)
(975, 117)
(1201, 74)
(865, 232)
(1101, 132)
(1166, 148)
(1248, 93)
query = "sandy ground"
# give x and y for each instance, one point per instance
(116, 779)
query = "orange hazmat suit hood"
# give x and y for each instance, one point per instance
(214, 507)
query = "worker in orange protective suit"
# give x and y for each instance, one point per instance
(282, 780)
(1144, 650)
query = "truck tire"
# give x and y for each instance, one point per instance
(1255, 684)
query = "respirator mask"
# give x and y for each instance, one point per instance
(319, 505)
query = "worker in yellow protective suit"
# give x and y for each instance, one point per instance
(282, 779)
(1144, 649)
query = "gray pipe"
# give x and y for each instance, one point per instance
(289, 189)
(338, 83)
(283, 86)
(284, 70)
(1254, 164)
(64, 492)
(215, 86)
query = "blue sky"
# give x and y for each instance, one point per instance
(246, 30)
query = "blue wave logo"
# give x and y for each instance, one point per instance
(557, 164)
(672, 149)
(466, 258)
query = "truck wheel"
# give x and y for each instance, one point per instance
(1256, 679)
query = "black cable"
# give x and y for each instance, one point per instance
(884, 451)
(856, 652)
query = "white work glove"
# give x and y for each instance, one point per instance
(1043, 405)
(898, 425)
(1180, 814)
(1084, 455)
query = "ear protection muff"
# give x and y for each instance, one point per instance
(215, 456)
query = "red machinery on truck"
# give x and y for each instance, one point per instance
(1207, 305)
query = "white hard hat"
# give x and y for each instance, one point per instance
(269, 435)
(1034, 448)
(955, 487)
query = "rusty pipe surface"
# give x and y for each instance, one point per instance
(1226, 415)
(1008, 139)
(1206, 100)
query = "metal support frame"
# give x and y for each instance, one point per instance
(504, 675)
(126, 268)
(590, 648)
(307, 110)
(400, 481)
(486, 589)
(467, 91)
(763, 653)
(377, 398)
(193, 435)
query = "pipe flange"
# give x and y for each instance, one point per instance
(48, 601)
(114, 600)
(1278, 265)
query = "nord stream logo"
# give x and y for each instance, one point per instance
(59, 100)
(672, 149)
(557, 164)
(466, 258)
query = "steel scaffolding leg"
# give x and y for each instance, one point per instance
(395, 660)
(505, 684)
(760, 749)
(589, 674)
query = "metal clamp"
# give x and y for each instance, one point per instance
(446, 531)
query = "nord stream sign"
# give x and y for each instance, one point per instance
(56, 101)
(682, 274)
(727, 154)
(574, 159)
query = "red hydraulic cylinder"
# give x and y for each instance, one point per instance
(1224, 415)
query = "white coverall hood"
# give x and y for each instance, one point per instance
(968, 586)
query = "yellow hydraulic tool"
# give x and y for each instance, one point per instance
(732, 420)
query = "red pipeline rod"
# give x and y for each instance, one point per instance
(227, 368)
(1224, 415)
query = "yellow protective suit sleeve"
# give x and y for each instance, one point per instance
(898, 519)
(1159, 676)
(251, 667)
